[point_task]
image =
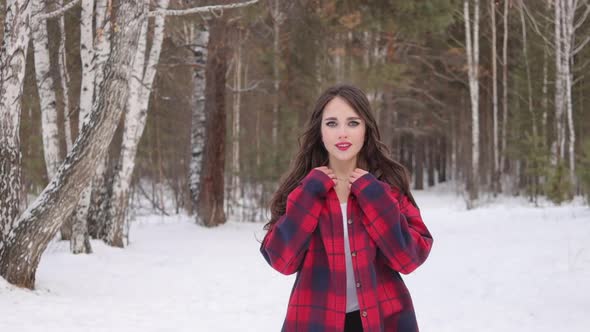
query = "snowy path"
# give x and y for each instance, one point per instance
(504, 267)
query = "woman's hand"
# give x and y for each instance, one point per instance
(357, 173)
(328, 172)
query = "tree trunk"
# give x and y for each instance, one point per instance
(277, 20)
(198, 118)
(558, 147)
(12, 74)
(210, 204)
(96, 217)
(22, 250)
(431, 162)
(87, 58)
(65, 81)
(135, 120)
(504, 92)
(473, 72)
(237, 102)
(86, 99)
(528, 70)
(569, 37)
(102, 41)
(46, 92)
(102, 186)
(496, 172)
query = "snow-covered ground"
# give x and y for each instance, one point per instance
(506, 266)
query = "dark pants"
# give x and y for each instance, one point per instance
(352, 322)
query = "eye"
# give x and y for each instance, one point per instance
(331, 124)
(354, 123)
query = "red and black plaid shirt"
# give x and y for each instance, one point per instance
(386, 237)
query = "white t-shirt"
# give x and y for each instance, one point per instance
(352, 302)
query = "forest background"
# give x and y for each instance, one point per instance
(487, 95)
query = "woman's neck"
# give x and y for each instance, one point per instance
(342, 169)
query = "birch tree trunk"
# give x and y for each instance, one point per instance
(569, 11)
(277, 20)
(23, 247)
(237, 102)
(528, 69)
(12, 73)
(86, 99)
(496, 173)
(211, 198)
(46, 91)
(504, 91)
(65, 81)
(472, 45)
(558, 149)
(198, 119)
(545, 93)
(79, 238)
(99, 198)
(135, 120)
(87, 58)
(102, 40)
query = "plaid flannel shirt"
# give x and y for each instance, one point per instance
(386, 235)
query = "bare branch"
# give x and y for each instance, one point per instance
(427, 94)
(535, 25)
(252, 86)
(583, 18)
(581, 46)
(202, 9)
(55, 13)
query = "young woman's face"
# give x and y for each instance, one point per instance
(343, 130)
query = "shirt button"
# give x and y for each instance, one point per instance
(358, 285)
(364, 313)
(350, 221)
(353, 254)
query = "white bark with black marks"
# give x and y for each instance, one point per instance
(472, 50)
(135, 120)
(198, 118)
(65, 81)
(46, 91)
(12, 74)
(22, 250)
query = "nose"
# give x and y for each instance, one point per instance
(342, 134)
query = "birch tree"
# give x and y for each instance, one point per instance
(22, 247)
(565, 46)
(198, 117)
(496, 175)
(278, 17)
(135, 120)
(99, 197)
(237, 103)
(46, 91)
(79, 239)
(472, 49)
(12, 73)
(140, 88)
(65, 80)
(570, 48)
(198, 37)
(210, 210)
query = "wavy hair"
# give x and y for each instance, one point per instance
(374, 156)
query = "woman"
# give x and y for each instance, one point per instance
(345, 220)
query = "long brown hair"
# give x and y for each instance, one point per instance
(373, 157)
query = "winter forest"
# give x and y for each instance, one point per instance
(141, 142)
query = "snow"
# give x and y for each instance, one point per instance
(506, 266)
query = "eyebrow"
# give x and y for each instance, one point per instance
(349, 118)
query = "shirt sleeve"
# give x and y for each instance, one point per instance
(285, 244)
(394, 225)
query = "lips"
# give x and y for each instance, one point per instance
(343, 146)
